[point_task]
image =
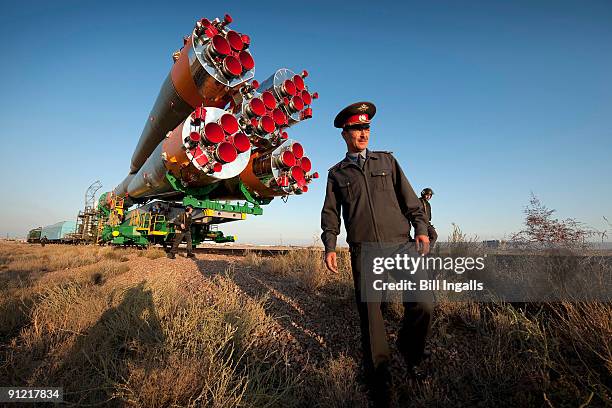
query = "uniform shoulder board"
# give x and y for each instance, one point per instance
(383, 151)
(334, 166)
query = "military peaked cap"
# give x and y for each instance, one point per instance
(360, 113)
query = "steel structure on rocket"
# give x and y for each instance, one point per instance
(214, 133)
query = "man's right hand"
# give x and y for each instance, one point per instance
(183, 227)
(422, 244)
(331, 261)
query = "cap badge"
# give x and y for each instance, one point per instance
(363, 107)
(363, 118)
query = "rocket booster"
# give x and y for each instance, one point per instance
(212, 63)
(212, 123)
(280, 172)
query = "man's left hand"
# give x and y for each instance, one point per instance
(422, 244)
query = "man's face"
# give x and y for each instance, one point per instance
(189, 210)
(428, 197)
(356, 138)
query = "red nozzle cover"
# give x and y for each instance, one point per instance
(196, 151)
(194, 137)
(202, 159)
(306, 114)
(199, 113)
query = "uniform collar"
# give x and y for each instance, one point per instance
(348, 159)
(353, 156)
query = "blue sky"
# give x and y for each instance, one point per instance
(482, 101)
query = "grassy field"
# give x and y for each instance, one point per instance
(126, 327)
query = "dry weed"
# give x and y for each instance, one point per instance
(152, 253)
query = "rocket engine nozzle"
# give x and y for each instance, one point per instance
(241, 142)
(269, 99)
(235, 40)
(231, 66)
(247, 61)
(229, 123)
(213, 133)
(218, 46)
(225, 152)
(255, 107)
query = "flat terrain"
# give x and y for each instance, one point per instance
(127, 327)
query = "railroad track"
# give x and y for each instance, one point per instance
(243, 250)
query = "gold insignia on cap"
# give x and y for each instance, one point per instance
(363, 107)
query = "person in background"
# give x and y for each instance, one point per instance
(426, 195)
(182, 230)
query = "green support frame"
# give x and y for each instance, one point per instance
(196, 197)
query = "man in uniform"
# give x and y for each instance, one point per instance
(378, 204)
(426, 195)
(182, 227)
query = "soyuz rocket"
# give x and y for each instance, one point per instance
(216, 130)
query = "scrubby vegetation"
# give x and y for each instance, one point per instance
(271, 331)
(130, 342)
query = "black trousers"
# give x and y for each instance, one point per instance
(413, 332)
(433, 235)
(178, 238)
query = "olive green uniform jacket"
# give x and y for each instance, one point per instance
(377, 202)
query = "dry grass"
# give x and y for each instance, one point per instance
(100, 272)
(26, 263)
(306, 267)
(152, 253)
(140, 344)
(336, 385)
(22, 267)
(492, 354)
(496, 355)
(113, 339)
